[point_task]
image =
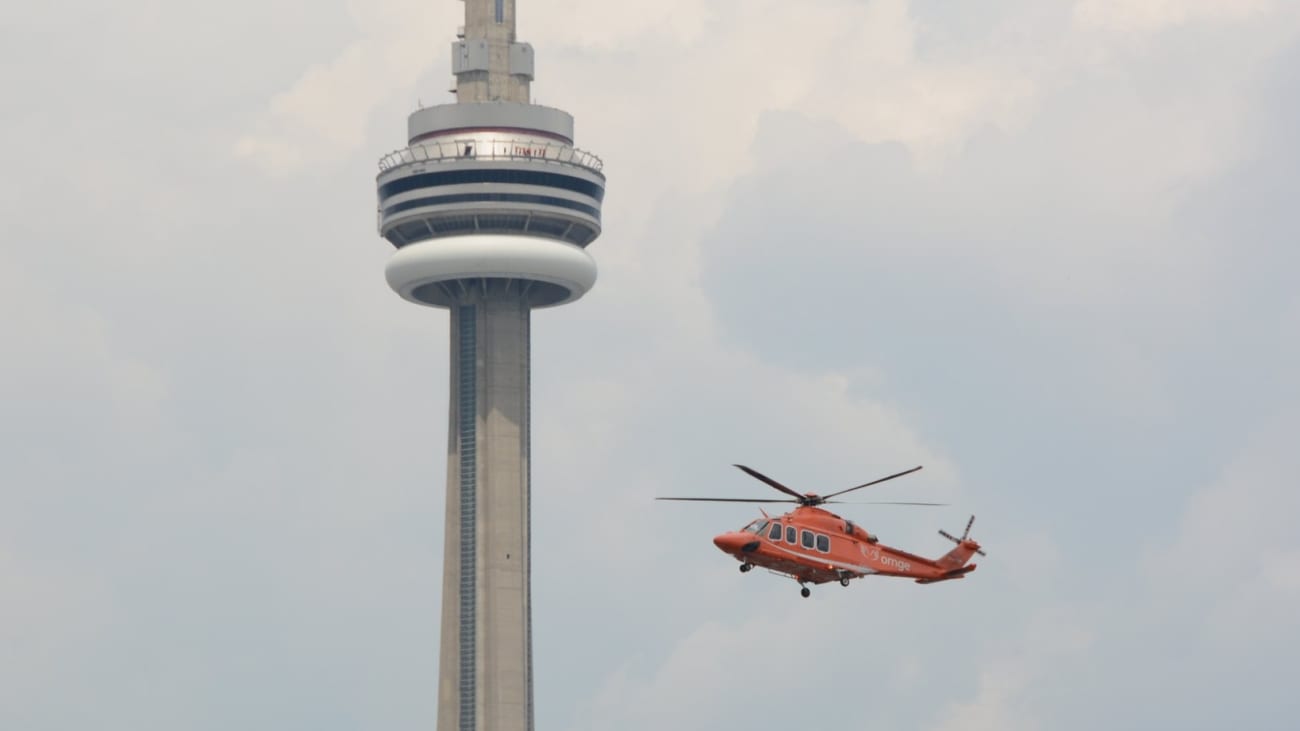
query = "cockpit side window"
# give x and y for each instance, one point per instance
(775, 533)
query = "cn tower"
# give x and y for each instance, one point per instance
(491, 208)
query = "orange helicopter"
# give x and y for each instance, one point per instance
(814, 546)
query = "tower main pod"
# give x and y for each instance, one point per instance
(490, 207)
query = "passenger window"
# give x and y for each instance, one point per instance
(790, 534)
(807, 538)
(775, 533)
(823, 544)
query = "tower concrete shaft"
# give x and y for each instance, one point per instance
(496, 68)
(485, 673)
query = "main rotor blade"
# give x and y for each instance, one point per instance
(729, 499)
(764, 478)
(875, 482)
(884, 502)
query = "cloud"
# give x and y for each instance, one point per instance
(1156, 15)
(854, 61)
(1004, 698)
(325, 113)
(601, 26)
(1236, 547)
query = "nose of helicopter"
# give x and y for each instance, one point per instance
(735, 542)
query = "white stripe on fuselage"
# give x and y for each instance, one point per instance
(836, 564)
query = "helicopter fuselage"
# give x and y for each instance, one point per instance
(815, 546)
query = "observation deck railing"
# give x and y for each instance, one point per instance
(478, 148)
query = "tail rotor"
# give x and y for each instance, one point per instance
(964, 536)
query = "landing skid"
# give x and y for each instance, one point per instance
(804, 591)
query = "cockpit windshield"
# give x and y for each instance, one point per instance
(756, 526)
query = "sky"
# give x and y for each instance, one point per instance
(1045, 249)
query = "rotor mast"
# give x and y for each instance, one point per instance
(490, 66)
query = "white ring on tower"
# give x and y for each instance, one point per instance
(486, 256)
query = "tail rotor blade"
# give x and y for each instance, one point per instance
(965, 534)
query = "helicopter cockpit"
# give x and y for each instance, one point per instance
(756, 526)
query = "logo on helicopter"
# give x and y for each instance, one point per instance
(875, 554)
(896, 563)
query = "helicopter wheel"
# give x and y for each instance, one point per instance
(844, 581)
(805, 592)
(745, 567)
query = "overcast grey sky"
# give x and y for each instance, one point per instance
(1046, 249)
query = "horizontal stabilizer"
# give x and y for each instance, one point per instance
(954, 574)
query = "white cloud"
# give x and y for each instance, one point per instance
(1005, 696)
(614, 27)
(1155, 15)
(1237, 548)
(711, 69)
(48, 612)
(64, 365)
(325, 114)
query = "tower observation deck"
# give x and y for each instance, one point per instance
(491, 208)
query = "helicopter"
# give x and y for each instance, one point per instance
(812, 545)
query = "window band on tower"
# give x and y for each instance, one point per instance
(514, 177)
(443, 200)
(501, 11)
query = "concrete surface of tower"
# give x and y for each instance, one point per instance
(490, 207)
